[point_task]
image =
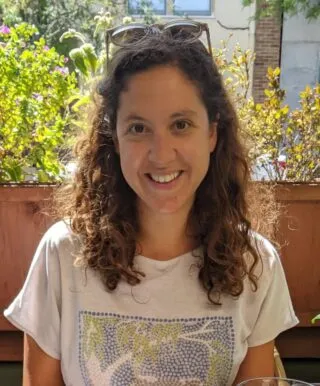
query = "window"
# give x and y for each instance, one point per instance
(158, 6)
(192, 7)
(172, 7)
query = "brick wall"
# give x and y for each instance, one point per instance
(267, 49)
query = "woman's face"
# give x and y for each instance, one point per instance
(164, 139)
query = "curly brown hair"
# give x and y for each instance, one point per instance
(102, 206)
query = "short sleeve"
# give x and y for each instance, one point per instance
(36, 309)
(276, 313)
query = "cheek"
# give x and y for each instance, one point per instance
(130, 158)
(198, 157)
(198, 149)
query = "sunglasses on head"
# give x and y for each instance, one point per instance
(130, 34)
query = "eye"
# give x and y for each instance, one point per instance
(182, 125)
(136, 128)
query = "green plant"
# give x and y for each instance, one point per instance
(315, 319)
(90, 60)
(35, 90)
(275, 8)
(53, 18)
(235, 68)
(145, 9)
(283, 143)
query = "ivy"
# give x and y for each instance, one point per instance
(276, 8)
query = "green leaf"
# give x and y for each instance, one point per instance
(42, 176)
(276, 71)
(83, 101)
(78, 57)
(270, 72)
(72, 33)
(15, 172)
(91, 56)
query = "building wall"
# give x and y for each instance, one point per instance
(229, 21)
(232, 14)
(300, 60)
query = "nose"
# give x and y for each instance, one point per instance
(162, 149)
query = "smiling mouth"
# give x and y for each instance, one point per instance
(164, 179)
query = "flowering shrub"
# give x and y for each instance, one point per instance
(35, 88)
(283, 143)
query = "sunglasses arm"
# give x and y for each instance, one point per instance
(107, 48)
(209, 42)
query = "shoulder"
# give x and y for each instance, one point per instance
(269, 258)
(268, 272)
(59, 239)
(59, 233)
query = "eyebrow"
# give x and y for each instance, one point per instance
(178, 114)
(135, 117)
(183, 113)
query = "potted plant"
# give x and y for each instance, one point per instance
(284, 151)
(35, 124)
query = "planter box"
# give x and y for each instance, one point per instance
(299, 237)
(299, 234)
(22, 226)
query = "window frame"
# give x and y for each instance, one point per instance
(171, 12)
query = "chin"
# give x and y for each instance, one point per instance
(170, 207)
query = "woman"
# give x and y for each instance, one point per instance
(155, 277)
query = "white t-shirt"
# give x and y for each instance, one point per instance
(163, 331)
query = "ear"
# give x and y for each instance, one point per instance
(213, 135)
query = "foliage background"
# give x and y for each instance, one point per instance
(35, 87)
(286, 8)
(283, 143)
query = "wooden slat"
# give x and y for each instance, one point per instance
(19, 213)
(29, 193)
(11, 346)
(22, 225)
(5, 325)
(299, 343)
(294, 343)
(306, 317)
(298, 192)
(299, 236)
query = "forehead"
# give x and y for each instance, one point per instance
(163, 88)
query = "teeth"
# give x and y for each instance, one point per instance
(165, 179)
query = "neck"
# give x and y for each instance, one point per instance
(164, 236)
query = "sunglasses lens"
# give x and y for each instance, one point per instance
(128, 35)
(184, 31)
